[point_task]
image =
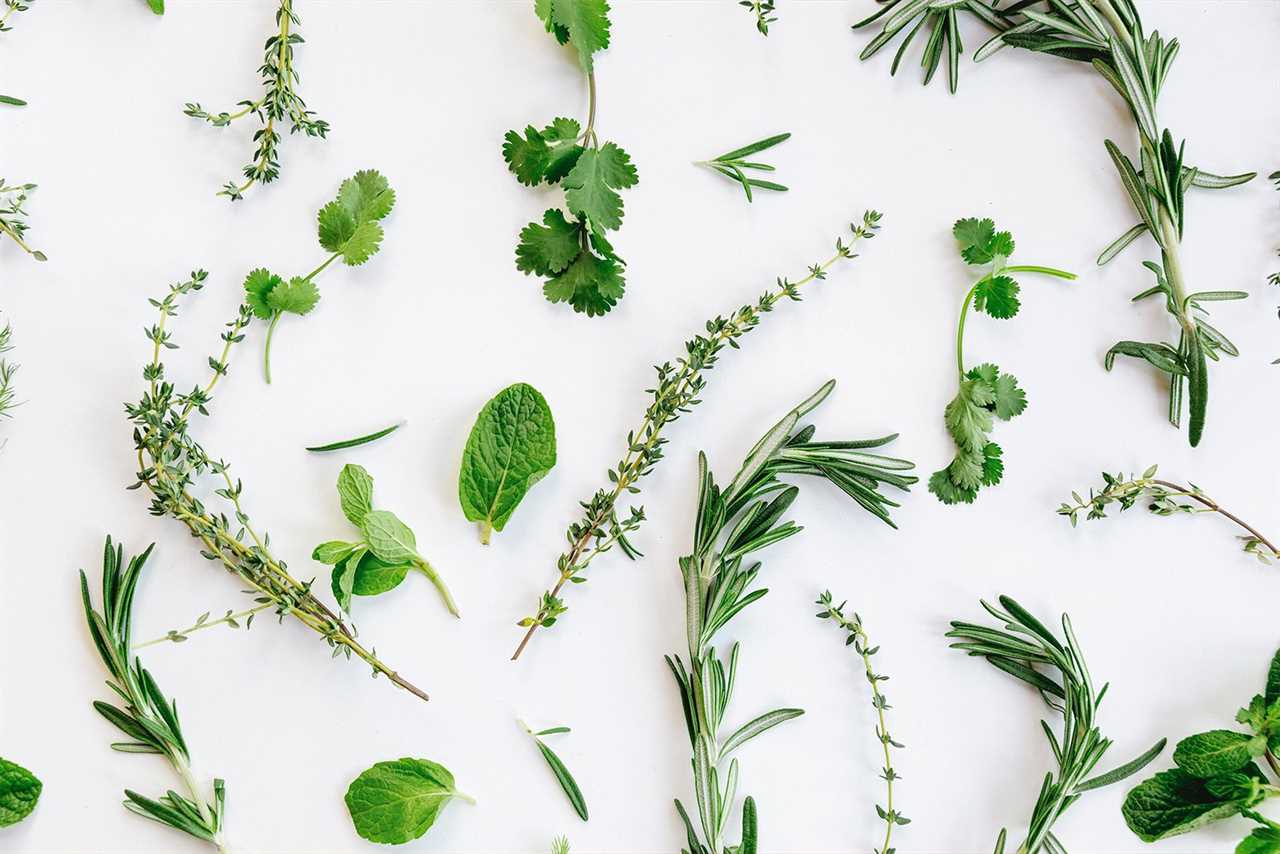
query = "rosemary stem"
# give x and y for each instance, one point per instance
(183, 767)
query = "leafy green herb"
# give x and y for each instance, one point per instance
(12, 101)
(7, 370)
(1217, 778)
(356, 442)
(229, 619)
(557, 766)
(678, 390)
(1109, 35)
(1026, 649)
(560, 845)
(148, 719)
(387, 550)
(19, 791)
(280, 101)
(857, 638)
(13, 223)
(512, 446)
(397, 801)
(732, 165)
(763, 10)
(574, 256)
(1164, 498)
(11, 6)
(985, 392)
(732, 523)
(349, 229)
(157, 6)
(173, 467)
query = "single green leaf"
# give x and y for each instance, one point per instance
(336, 225)
(587, 24)
(565, 779)
(1263, 840)
(591, 285)
(19, 791)
(343, 577)
(355, 493)
(363, 244)
(998, 297)
(157, 6)
(258, 286)
(12, 101)
(389, 539)
(374, 576)
(511, 447)
(1115, 775)
(1218, 751)
(397, 801)
(527, 156)
(332, 552)
(1010, 399)
(548, 249)
(1171, 803)
(591, 185)
(299, 296)
(367, 196)
(356, 442)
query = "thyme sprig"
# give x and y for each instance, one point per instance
(11, 6)
(148, 718)
(1109, 35)
(763, 10)
(1025, 649)
(280, 102)
(171, 463)
(1163, 498)
(677, 391)
(13, 223)
(732, 523)
(229, 619)
(7, 371)
(858, 639)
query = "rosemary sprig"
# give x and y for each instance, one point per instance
(148, 718)
(679, 385)
(732, 523)
(356, 442)
(857, 638)
(171, 463)
(13, 222)
(1109, 35)
(732, 165)
(1024, 649)
(280, 101)
(1164, 498)
(763, 10)
(7, 370)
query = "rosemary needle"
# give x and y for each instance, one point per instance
(359, 440)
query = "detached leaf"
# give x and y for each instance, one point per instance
(19, 791)
(398, 801)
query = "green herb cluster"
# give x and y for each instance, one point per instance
(732, 165)
(19, 792)
(13, 223)
(280, 102)
(574, 256)
(732, 523)
(678, 390)
(763, 11)
(986, 392)
(384, 554)
(398, 801)
(1217, 777)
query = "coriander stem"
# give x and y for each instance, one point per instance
(266, 350)
(426, 569)
(968, 299)
(318, 270)
(590, 135)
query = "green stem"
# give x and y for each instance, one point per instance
(589, 136)
(426, 569)
(209, 623)
(318, 270)
(968, 299)
(486, 531)
(266, 351)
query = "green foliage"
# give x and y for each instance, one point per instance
(1026, 649)
(511, 447)
(147, 719)
(560, 770)
(986, 393)
(357, 441)
(19, 791)
(678, 389)
(7, 370)
(1217, 778)
(732, 523)
(763, 10)
(397, 801)
(280, 102)
(732, 165)
(13, 223)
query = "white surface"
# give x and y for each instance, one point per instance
(1181, 624)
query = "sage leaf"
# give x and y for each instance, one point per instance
(389, 539)
(19, 791)
(511, 447)
(398, 801)
(355, 492)
(1173, 802)
(1218, 751)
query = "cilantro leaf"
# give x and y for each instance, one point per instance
(549, 248)
(527, 156)
(299, 296)
(562, 148)
(591, 285)
(966, 469)
(349, 224)
(591, 184)
(1010, 399)
(967, 418)
(363, 244)
(947, 492)
(336, 226)
(979, 241)
(367, 196)
(998, 297)
(586, 23)
(543, 10)
(258, 286)
(992, 464)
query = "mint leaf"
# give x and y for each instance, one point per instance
(299, 296)
(1170, 803)
(343, 577)
(1263, 840)
(398, 801)
(258, 286)
(332, 552)
(19, 791)
(548, 249)
(373, 576)
(585, 21)
(1218, 751)
(389, 539)
(355, 493)
(590, 186)
(511, 447)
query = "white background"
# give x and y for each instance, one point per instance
(1167, 610)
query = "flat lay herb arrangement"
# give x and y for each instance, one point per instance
(1220, 778)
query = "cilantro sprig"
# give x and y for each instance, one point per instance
(349, 228)
(986, 393)
(572, 254)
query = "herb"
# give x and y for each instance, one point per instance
(1025, 649)
(1164, 499)
(11, 6)
(148, 719)
(157, 6)
(280, 101)
(563, 777)
(173, 466)
(574, 256)
(12, 101)
(512, 446)
(397, 801)
(985, 391)
(12, 216)
(349, 229)
(387, 550)
(560, 845)
(676, 393)
(19, 791)
(1274, 278)
(230, 620)
(1216, 778)
(7, 370)
(1109, 35)
(763, 10)
(857, 638)
(733, 522)
(358, 441)
(732, 165)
